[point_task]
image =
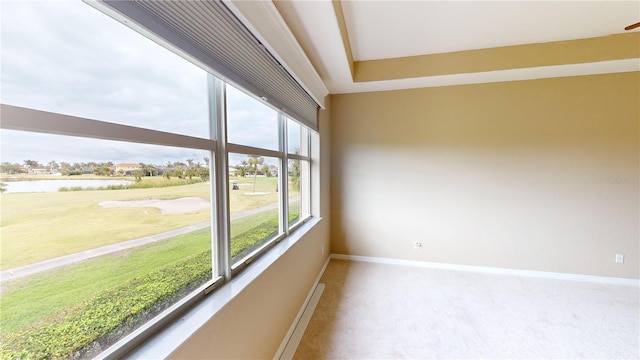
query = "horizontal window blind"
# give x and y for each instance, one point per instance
(211, 33)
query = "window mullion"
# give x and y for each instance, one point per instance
(309, 177)
(284, 177)
(31, 120)
(222, 250)
(250, 150)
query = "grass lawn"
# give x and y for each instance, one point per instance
(240, 201)
(44, 225)
(62, 288)
(40, 226)
(25, 301)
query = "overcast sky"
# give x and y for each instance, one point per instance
(67, 57)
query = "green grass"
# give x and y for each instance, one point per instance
(43, 301)
(40, 226)
(74, 300)
(61, 288)
(93, 324)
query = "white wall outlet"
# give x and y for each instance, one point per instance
(619, 258)
(417, 244)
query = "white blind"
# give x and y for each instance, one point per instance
(208, 31)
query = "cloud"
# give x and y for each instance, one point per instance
(67, 57)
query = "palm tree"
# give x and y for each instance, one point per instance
(254, 161)
(53, 166)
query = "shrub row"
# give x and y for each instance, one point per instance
(74, 331)
(245, 242)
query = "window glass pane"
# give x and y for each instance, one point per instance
(71, 59)
(293, 137)
(250, 122)
(297, 138)
(254, 205)
(128, 224)
(298, 190)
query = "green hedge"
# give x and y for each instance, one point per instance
(86, 329)
(69, 333)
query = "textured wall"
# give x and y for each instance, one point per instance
(540, 175)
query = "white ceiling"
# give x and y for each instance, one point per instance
(387, 29)
(390, 29)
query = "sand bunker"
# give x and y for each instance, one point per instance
(176, 206)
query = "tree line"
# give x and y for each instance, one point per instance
(189, 169)
(254, 165)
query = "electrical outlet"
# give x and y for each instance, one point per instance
(619, 258)
(417, 244)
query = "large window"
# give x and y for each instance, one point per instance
(118, 205)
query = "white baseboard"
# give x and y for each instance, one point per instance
(292, 345)
(296, 330)
(492, 270)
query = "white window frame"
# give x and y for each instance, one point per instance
(31, 120)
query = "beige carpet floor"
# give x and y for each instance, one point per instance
(377, 311)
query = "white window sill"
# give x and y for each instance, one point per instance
(167, 340)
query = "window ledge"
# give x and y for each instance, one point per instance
(167, 340)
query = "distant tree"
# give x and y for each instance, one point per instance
(206, 161)
(32, 164)
(255, 161)
(53, 166)
(242, 169)
(65, 168)
(178, 174)
(121, 172)
(3, 187)
(102, 171)
(266, 170)
(203, 172)
(137, 175)
(191, 172)
(294, 174)
(148, 169)
(190, 162)
(9, 168)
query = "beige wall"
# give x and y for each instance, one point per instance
(254, 324)
(539, 175)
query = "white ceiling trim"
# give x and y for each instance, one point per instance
(603, 67)
(315, 26)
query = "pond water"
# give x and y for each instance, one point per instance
(54, 185)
